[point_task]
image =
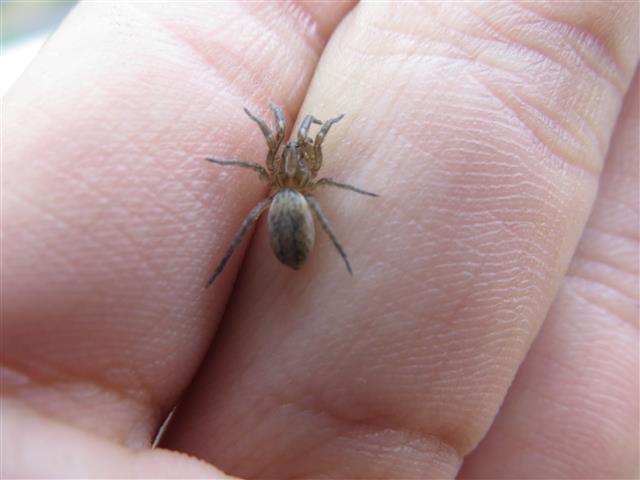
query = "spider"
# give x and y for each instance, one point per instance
(290, 175)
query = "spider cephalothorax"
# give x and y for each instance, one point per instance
(290, 174)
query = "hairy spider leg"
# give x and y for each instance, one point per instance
(327, 229)
(254, 214)
(306, 143)
(317, 144)
(303, 138)
(280, 123)
(256, 167)
(268, 135)
(332, 183)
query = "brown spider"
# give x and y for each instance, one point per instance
(290, 174)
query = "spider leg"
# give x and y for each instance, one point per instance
(268, 135)
(317, 144)
(332, 183)
(262, 173)
(327, 229)
(325, 129)
(304, 129)
(277, 112)
(254, 214)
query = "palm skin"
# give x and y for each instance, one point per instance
(485, 126)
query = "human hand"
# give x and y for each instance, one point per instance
(484, 127)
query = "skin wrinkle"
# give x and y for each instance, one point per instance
(561, 34)
(630, 241)
(325, 408)
(593, 263)
(598, 302)
(350, 429)
(619, 232)
(460, 41)
(237, 59)
(381, 461)
(597, 35)
(60, 255)
(565, 445)
(547, 192)
(52, 375)
(489, 192)
(78, 391)
(536, 126)
(92, 187)
(513, 100)
(104, 459)
(287, 456)
(307, 26)
(503, 251)
(103, 245)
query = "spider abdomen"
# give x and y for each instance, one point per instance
(291, 228)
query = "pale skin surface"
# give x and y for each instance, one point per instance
(485, 130)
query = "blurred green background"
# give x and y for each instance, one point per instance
(24, 27)
(25, 18)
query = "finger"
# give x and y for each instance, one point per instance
(483, 129)
(112, 220)
(572, 411)
(41, 447)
